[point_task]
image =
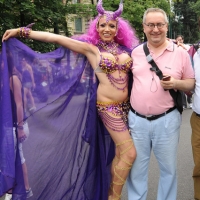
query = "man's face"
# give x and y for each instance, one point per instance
(156, 35)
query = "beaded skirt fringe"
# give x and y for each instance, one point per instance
(114, 114)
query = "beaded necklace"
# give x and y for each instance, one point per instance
(110, 47)
(113, 48)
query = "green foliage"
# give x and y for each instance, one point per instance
(195, 6)
(185, 21)
(51, 15)
(47, 15)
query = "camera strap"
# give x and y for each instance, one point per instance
(150, 60)
(159, 73)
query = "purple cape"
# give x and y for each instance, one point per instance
(68, 152)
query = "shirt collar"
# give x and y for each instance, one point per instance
(170, 46)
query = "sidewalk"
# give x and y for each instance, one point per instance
(2, 198)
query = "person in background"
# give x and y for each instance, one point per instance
(186, 97)
(180, 42)
(195, 125)
(20, 126)
(154, 120)
(28, 84)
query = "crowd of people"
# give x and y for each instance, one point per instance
(88, 146)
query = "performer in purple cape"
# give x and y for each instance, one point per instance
(70, 151)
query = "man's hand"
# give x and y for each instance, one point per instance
(169, 83)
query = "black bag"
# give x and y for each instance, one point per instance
(176, 95)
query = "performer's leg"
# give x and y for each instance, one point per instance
(114, 117)
(114, 162)
(122, 162)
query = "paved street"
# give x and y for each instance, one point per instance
(185, 165)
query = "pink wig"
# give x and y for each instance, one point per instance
(125, 33)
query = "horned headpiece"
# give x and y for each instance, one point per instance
(109, 14)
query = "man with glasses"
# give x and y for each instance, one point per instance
(154, 120)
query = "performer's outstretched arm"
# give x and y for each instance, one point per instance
(84, 48)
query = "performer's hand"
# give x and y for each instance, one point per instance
(10, 33)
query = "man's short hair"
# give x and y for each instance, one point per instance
(149, 10)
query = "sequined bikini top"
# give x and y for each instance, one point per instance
(109, 65)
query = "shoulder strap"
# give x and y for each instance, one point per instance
(175, 95)
(152, 62)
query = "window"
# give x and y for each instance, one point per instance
(78, 25)
(76, 1)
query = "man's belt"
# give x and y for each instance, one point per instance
(153, 117)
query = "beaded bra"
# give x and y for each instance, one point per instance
(109, 65)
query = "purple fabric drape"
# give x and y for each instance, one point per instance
(68, 151)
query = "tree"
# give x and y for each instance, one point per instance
(185, 21)
(23, 12)
(195, 7)
(47, 15)
(51, 15)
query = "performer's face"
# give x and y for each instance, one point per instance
(107, 30)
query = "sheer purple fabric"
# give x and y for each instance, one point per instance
(68, 152)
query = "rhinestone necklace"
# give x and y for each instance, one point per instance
(110, 47)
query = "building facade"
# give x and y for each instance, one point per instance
(78, 24)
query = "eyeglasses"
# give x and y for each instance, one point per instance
(158, 25)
